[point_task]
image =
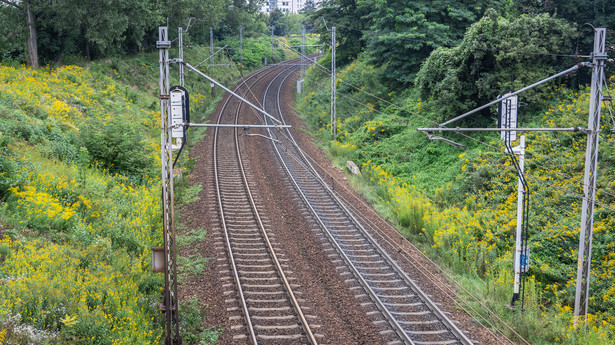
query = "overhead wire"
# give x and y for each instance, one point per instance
(482, 156)
(465, 135)
(411, 112)
(429, 276)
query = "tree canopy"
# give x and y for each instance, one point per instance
(496, 54)
(101, 28)
(402, 34)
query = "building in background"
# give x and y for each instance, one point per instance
(291, 6)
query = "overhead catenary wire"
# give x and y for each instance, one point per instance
(442, 44)
(462, 134)
(449, 294)
(494, 162)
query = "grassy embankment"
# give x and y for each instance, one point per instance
(459, 206)
(79, 185)
(79, 192)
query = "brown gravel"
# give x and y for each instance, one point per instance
(340, 318)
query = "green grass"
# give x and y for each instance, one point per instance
(191, 266)
(191, 237)
(191, 325)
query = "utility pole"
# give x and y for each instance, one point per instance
(211, 52)
(180, 36)
(521, 254)
(599, 57)
(333, 87)
(170, 306)
(241, 50)
(303, 60)
(271, 43)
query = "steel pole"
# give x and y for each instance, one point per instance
(180, 36)
(172, 336)
(333, 87)
(599, 56)
(211, 52)
(518, 240)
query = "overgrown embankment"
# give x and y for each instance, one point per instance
(79, 191)
(460, 203)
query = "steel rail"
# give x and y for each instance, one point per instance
(289, 290)
(398, 329)
(426, 300)
(244, 306)
(271, 252)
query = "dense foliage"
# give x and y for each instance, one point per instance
(403, 34)
(496, 54)
(63, 29)
(79, 201)
(78, 228)
(400, 34)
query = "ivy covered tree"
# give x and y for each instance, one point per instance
(496, 54)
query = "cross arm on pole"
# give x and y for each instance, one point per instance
(573, 68)
(229, 91)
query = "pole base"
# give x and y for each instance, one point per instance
(515, 298)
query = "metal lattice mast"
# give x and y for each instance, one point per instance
(333, 87)
(170, 270)
(591, 170)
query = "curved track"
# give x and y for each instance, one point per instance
(270, 308)
(411, 314)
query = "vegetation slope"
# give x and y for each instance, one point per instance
(459, 202)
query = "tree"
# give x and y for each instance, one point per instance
(31, 43)
(204, 14)
(309, 6)
(349, 24)
(285, 23)
(14, 34)
(246, 13)
(403, 33)
(496, 54)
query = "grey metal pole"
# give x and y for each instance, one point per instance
(519, 150)
(333, 87)
(581, 300)
(181, 55)
(211, 52)
(272, 39)
(303, 61)
(241, 50)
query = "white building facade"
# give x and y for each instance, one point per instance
(291, 6)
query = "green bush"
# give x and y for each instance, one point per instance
(488, 62)
(119, 146)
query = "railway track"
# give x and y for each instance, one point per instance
(412, 316)
(265, 296)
